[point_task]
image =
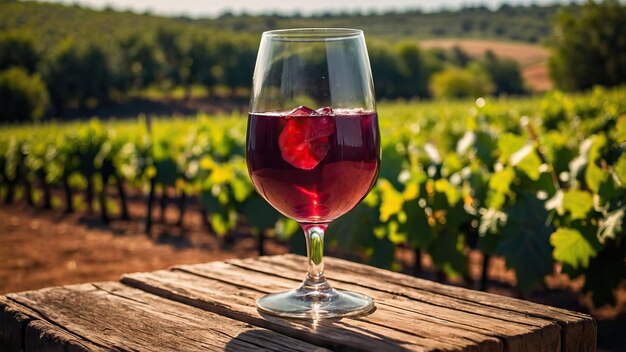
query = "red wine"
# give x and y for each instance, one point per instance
(313, 166)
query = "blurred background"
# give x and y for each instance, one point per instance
(122, 133)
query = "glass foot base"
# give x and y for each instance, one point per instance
(303, 303)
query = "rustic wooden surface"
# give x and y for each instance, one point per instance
(211, 307)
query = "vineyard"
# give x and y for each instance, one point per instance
(537, 181)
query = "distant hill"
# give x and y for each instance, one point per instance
(50, 22)
(516, 23)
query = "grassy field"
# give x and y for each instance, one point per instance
(532, 58)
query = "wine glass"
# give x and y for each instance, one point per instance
(313, 149)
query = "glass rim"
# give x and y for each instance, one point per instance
(313, 34)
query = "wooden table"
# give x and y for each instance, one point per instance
(211, 307)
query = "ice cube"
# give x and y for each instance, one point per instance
(301, 111)
(324, 111)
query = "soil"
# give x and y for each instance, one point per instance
(42, 248)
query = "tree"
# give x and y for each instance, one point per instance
(176, 67)
(237, 60)
(458, 56)
(385, 72)
(18, 49)
(22, 96)
(96, 79)
(413, 70)
(141, 62)
(62, 75)
(505, 74)
(202, 63)
(588, 46)
(455, 82)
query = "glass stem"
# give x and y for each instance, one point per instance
(315, 278)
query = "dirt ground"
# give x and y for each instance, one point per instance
(41, 248)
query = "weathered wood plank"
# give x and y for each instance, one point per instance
(237, 302)
(12, 324)
(117, 317)
(398, 313)
(438, 318)
(161, 313)
(518, 332)
(22, 329)
(579, 331)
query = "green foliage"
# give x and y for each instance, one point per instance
(505, 74)
(17, 48)
(119, 54)
(525, 242)
(455, 82)
(588, 46)
(535, 180)
(521, 23)
(573, 248)
(22, 96)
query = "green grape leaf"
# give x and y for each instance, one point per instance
(242, 189)
(260, 214)
(574, 248)
(418, 233)
(465, 142)
(556, 202)
(620, 129)
(286, 228)
(620, 168)
(491, 220)
(605, 273)
(355, 229)
(393, 162)
(578, 203)
(447, 253)
(527, 160)
(599, 142)
(499, 187)
(509, 144)
(209, 201)
(452, 194)
(495, 200)
(391, 200)
(223, 222)
(501, 180)
(611, 225)
(486, 146)
(381, 254)
(166, 172)
(610, 190)
(393, 235)
(525, 242)
(594, 177)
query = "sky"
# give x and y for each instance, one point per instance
(211, 8)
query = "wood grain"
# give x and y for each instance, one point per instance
(212, 307)
(443, 320)
(516, 331)
(578, 330)
(22, 329)
(116, 317)
(237, 302)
